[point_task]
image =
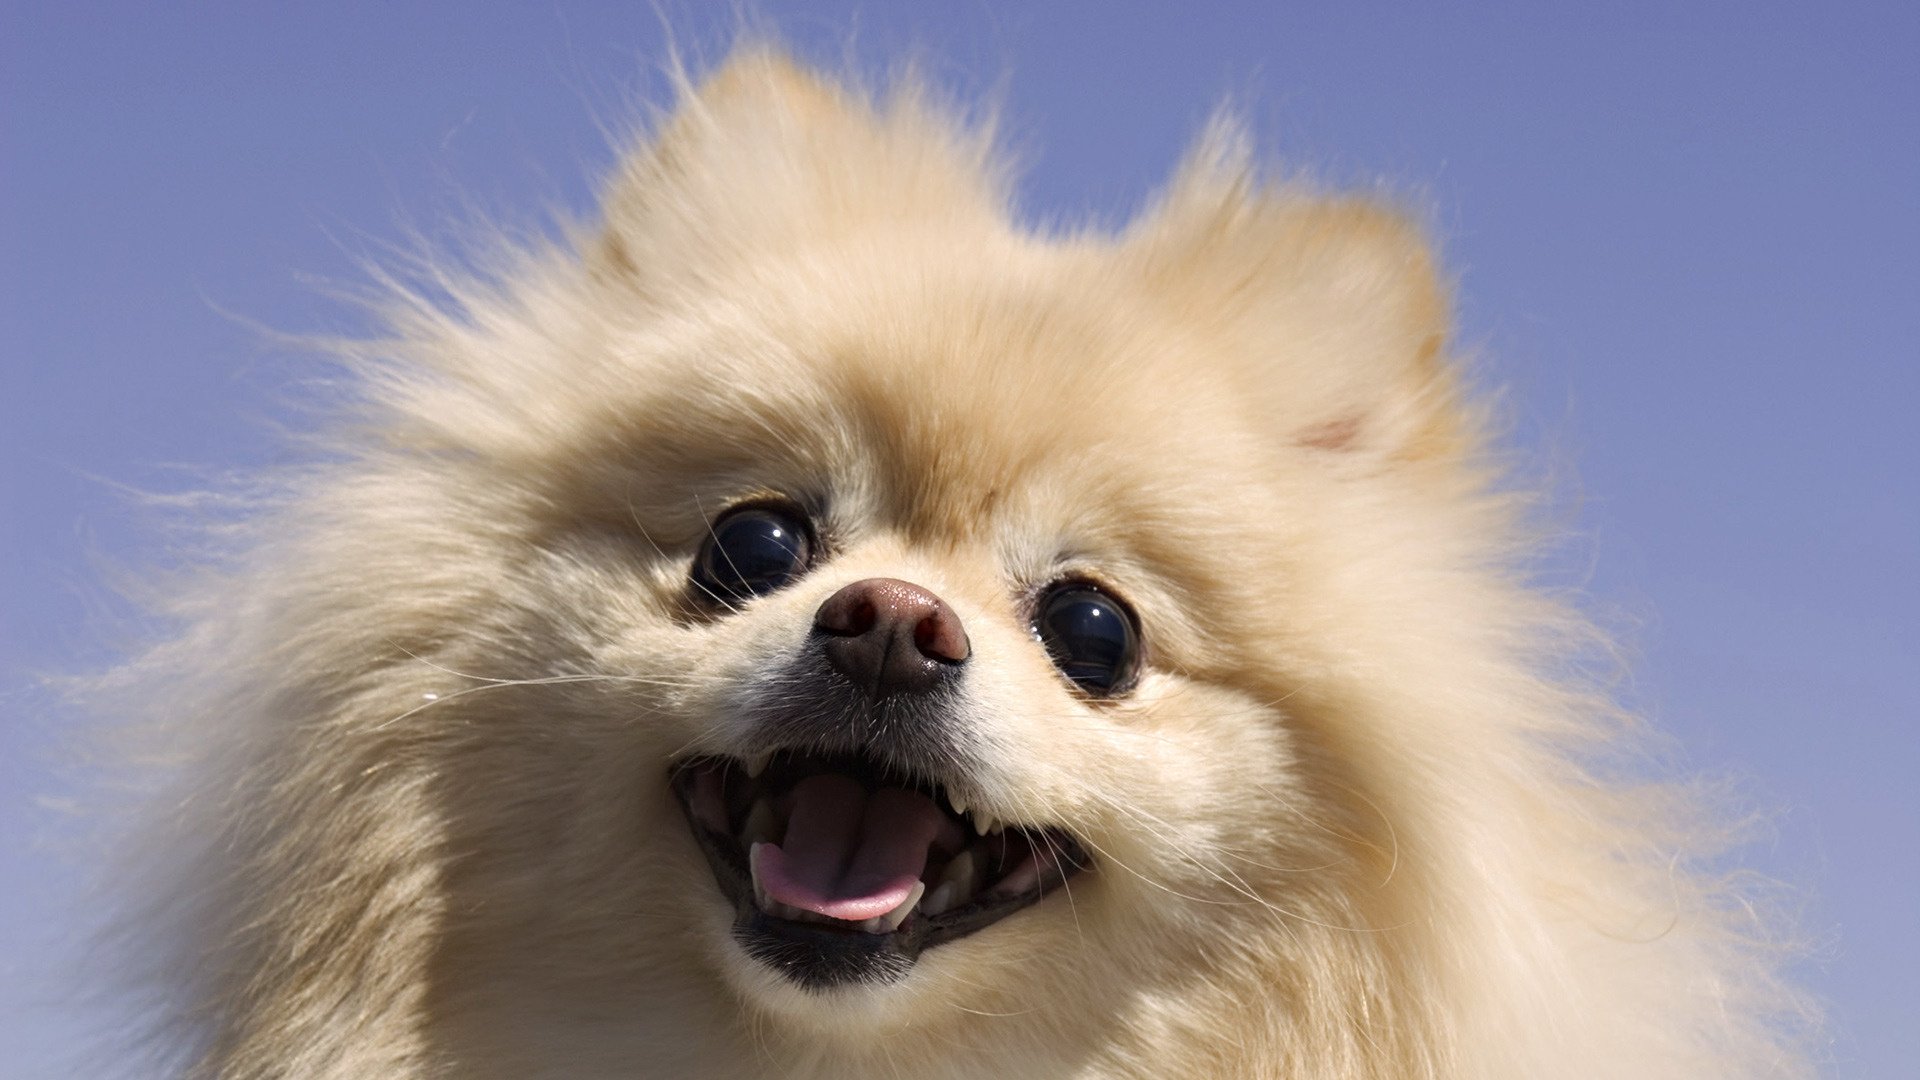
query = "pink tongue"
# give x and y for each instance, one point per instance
(848, 855)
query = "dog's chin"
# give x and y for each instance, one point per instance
(839, 873)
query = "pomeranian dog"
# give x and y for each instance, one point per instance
(808, 625)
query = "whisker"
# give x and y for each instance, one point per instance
(724, 602)
(502, 684)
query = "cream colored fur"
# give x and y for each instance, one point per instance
(1351, 824)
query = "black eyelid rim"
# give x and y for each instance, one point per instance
(797, 508)
(1078, 579)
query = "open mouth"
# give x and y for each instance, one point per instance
(842, 869)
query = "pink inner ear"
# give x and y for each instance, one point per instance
(1332, 435)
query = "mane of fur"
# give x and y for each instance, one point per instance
(322, 882)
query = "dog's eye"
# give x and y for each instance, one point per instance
(1090, 636)
(751, 552)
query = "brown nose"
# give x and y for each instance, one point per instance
(890, 636)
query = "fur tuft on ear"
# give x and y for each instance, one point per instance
(764, 157)
(1333, 304)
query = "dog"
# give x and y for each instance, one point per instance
(806, 624)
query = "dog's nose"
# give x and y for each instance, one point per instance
(891, 636)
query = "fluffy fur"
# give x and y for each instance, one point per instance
(1350, 824)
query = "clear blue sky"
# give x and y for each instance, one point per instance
(1688, 239)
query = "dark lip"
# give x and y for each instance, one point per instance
(820, 955)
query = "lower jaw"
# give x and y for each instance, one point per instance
(819, 957)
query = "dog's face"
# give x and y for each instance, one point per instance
(897, 618)
(938, 685)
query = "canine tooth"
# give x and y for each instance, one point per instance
(960, 873)
(760, 824)
(958, 803)
(760, 898)
(939, 900)
(757, 763)
(891, 920)
(982, 822)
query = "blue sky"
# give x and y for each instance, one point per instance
(1687, 240)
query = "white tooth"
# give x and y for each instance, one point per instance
(872, 926)
(982, 821)
(757, 763)
(760, 896)
(958, 803)
(891, 920)
(960, 874)
(939, 900)
(760, 824)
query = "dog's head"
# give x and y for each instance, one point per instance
(928, 611)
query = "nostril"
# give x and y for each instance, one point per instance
(939, 637)
(847, 614)
(861, 618)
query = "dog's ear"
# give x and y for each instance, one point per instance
(1330, 307)
(765, 158)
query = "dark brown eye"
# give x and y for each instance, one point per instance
(751, 552)
(1090, 636)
